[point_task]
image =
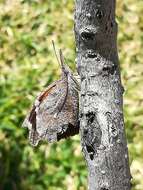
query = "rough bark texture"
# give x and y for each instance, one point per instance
(101, 116)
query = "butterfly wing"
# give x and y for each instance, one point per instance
(48, 116)
(49, 121)
(30, 121)
(57, 113)
(54, 114)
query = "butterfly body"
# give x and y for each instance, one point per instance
(54, 114)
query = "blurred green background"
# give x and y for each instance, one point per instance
(28, 64)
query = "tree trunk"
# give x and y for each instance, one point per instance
(101, 111)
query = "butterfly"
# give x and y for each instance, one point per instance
(54, 114)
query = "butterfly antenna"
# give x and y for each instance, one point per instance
(61, 58)
(56, 53)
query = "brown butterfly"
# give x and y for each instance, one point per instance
(54, 114)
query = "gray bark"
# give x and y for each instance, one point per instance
(101, 109)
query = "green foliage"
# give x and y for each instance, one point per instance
(27, 65)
